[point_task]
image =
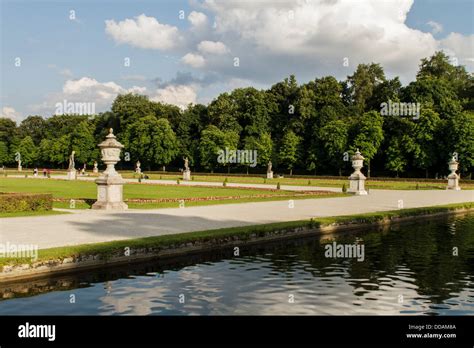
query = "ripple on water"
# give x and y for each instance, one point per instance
(402, 274)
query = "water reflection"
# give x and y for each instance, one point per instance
(407, 269)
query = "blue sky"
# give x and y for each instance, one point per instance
(191, 59)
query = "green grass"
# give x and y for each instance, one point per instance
(88, 190)
(31, 213)
(374, 184)
(107, 249)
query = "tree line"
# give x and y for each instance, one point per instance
(309, 128)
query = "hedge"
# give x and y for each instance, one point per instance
(15, 202)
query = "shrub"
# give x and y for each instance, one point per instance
(225, 182)
(15, 202)
(178, 181)
(344, 188)
(278, 185)
(309, 182)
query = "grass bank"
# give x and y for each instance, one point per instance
(68, 259)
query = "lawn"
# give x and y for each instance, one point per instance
(87, 190)
(31, 213)
(371, 184)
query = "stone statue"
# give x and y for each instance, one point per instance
(186, 171)
(19, 165)
(71, 161)
(96, 169)
(269, 170)
(186, 164)
(138, 167)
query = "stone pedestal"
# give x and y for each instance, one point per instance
(187, 175)
(71, 174)
(269, 175)
(110, 183)
(357, 179)
(453, 178)
(20, 168)
(95, 170)
(110, 193)
(357, 185)
(453, 182)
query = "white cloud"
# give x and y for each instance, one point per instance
(197, 19)
(86, 90)
(212, 47)
(180, 95)
(144, 32)
(460, 47)
(102, 94)
(435, 27)
(11, 113)
(312, 38)
(194, 60)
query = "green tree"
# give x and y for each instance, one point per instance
(395, 158)
(28, 151)
(334, 136)
(459, 132)
(369, 135)
(83, 142)
(223, 113)
(252, 113)
(263, 144)
(33, 126)
(288, 154)
(4, 154)
(7, 129)
(152, 141)
(363, 82)
(212, 141)
(59, 150)
(129, 108)
(424, 139)
(188, 132)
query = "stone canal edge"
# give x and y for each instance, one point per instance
(163, 247)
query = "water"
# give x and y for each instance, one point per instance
(407, 270)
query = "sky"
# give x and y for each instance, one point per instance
(182, 52)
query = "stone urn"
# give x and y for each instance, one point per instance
(453, 178)
(110, 182)
(357, 179)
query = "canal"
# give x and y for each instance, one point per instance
(424, 268)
